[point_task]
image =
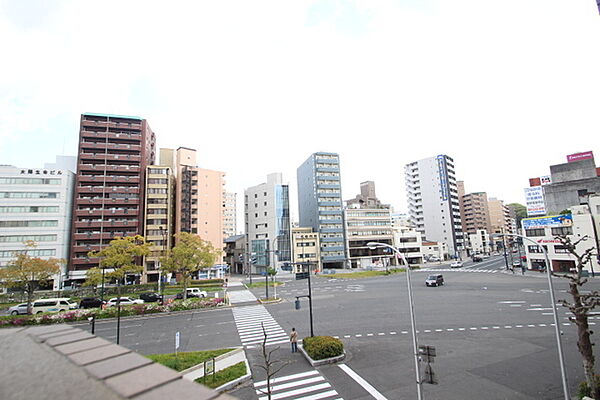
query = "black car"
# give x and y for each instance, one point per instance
(150, 297)
(90, 302)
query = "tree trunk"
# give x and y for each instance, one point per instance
(584, 343)
(30, 290)
(186, 279)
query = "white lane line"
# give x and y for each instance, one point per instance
(404, 332)
(496, 327)
(511, 302)
(473, 329)
(531, 326)
(518, 326)
(369, 334)
(439, 330)
(393, 333)
(484, 327)
(372, 391)
(358, 335)
(450, 330)
(541, 324)
(427, 331)
(461, 329)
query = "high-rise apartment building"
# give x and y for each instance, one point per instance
(433, 201)
(267, 220)
(36, 205)
(320, 205)
(229, 215)
(159, 220)
(114, 152)
(475, 212)
(499, 216)
(199, 197)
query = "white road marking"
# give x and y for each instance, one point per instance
(372, 391)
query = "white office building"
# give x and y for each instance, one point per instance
(35, 205)
(267, 220)
(433, 201)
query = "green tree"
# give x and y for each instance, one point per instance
(520, 211)
(190, 255)
(93, 278)
(28, 273)
(122, 256)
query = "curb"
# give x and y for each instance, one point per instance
(316, 363)
(235, 382)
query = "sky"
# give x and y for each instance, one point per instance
(507, 88)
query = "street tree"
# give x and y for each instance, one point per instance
(581, 304)
(122, 257)
(190, 255)
(28, 273)
(271, 365)
(93, 278)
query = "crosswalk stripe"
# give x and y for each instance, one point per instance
(320, 395)
(296, 392)
(253, 322)
(287, 378)
(292, 384)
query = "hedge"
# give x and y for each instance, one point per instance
(110, 312)
(321, 347)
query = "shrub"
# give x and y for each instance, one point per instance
(320, 347)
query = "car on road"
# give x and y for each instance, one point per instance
(516, 264)
(485, 256)
(125, 301)
(90, 302)
(19, 309)
(434, 280)
(192, 292)
(477, 258)
(433, 259)
(456, 264)
(52, 305)
(150, 297)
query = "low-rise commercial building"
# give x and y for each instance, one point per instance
(409, 241)
(305, 249)
(364, 225)
(479, 242)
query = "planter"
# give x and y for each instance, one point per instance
(316, 363)
(235, 382)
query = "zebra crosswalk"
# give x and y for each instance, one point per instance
(488, 271)
(309, 385)
(240, 296)
(250, 321)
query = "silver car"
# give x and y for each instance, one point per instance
(19, 309)
(125, 301)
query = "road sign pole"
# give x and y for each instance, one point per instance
(312, 333)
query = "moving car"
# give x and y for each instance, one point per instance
(90, 302)
(192, 292)
(516, 264)
(434, 259)
(477, 258)
(125, 301)
(456, 264)
(52, 305)
(19, 309)
(150, 297)
(434, 280)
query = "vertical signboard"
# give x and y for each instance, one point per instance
(534, 200)
(441, 161)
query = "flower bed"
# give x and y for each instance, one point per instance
(111, 312)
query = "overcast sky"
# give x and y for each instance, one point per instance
(506, 88)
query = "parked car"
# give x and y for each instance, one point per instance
(90, 302)
(192, 292)
(19, 309)
(516, 264)
(456, 264)
(477, 258)
(434, 259)
(125, 301)
(150, 297)
(52, 305)
(434, 280)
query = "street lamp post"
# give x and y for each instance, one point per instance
(412, 314)
(554, 312)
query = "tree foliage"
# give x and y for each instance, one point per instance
(122, 256)
(190, 255)
(28, 273)
(93, 278)
(581, 304)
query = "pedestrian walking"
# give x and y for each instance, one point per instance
(523, 270)
(294, 340)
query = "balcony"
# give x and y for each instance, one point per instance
(92, 236)
(111, 146)
(101, 156)
(85, 260)
(111, 135)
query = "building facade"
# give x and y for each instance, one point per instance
(479, 242)
(114, 152)
(409, 242)
(267, 220)
(230, 215)
(306, 249)
(159, 218)
(364, 225)
(36, 205)
(475, 213)
(320, 205)
(433, 202)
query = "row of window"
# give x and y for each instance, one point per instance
(29, 195)
(32, 253)
(156, 181)
(29, 181)
(305, 244)
(158, 191)
(369, 223)
(370, 233)
(560, 231)
(27, 224)
(30, 209)
(557, 249)
(367, 214)
(25, 238)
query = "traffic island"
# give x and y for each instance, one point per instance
(321, 350)
(270, 300)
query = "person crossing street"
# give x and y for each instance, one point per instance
(294, 340)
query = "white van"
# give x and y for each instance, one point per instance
(52, 305)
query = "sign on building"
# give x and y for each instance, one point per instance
(555, 221)
(534, 200)
(580, 156)
(545, 180)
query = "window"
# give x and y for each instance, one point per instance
(22, 224)
(560, 249)
(562, 231)
(536, 249)
(32, 253)
(32, 209)
(24, 238)
(30, 181)
(535, 232)
(29, 195)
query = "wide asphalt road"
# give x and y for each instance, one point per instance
(491, 329)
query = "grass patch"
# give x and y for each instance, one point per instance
(226, 375)
(363, 274)
(262, 284)
(187, 359)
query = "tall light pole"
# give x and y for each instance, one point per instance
(412, 314)
(554, 312)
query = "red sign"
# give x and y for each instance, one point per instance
(580, 156)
